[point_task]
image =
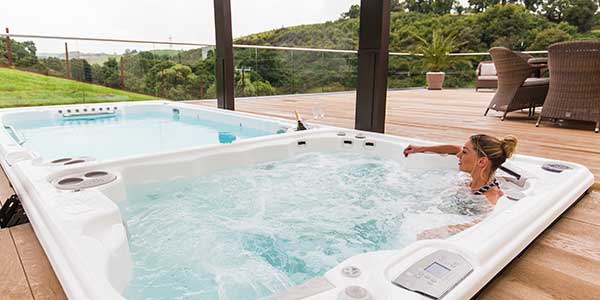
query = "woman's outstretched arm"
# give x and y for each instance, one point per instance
(442, 149)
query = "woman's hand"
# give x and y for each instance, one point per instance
(412, 149)
(434, 233)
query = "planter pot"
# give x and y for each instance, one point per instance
(435, 80)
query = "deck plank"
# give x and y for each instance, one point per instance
(13, 283)
(588, 210)
(5, 189)
(42, 280)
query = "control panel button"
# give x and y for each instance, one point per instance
(435, 274)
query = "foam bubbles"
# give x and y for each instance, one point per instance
(245, 233)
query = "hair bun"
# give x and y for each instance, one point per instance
(508, 144)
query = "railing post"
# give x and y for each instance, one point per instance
(67, 63)
(224, 55)
(8, 50)
(122, 73)
(373, 55)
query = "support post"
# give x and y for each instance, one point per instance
(67, 63)
(371, 90)
(224, 55)
(122, 73)
(8, 50)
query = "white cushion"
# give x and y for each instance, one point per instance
(487, 77)
(488, 69)
(536, 81)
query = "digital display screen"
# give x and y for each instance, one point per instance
(437, 270)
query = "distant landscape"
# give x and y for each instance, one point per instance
(100, 58)
(174, 74)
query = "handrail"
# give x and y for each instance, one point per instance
(19, 137)
(236, 45)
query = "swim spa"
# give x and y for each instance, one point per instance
(106, 131)
(281, 210)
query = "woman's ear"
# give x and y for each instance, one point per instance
(482, 162)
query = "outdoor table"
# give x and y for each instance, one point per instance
(539, 63)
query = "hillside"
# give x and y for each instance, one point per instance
(511, 26)
(18, 88)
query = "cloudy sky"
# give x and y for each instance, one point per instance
(180, 20)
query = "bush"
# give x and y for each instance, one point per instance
(548, 37)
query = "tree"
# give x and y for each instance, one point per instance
(548, 37)
(178, 82)
(580, 13)
(56, 64)
(396, 6)
(110, 73)
(533, 5)
(81, 70)
(481, 5)
(438, 7)
(509, 25)
(352, 13)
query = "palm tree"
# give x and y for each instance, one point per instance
(436, 56)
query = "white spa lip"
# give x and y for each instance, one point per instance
(83, 235)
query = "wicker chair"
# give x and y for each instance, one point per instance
(486, 76)
(574, 82)
(516, 90)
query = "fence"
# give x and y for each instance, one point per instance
(155, 69)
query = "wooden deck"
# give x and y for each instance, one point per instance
(25, 272)
(563, 263)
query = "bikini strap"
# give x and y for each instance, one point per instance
(487, 187)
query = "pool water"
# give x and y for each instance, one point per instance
(126, 134)
(249, 232)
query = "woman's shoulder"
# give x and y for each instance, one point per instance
(493, 194)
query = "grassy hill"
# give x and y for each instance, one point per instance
(18, 88)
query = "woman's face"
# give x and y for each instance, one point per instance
(467, 158)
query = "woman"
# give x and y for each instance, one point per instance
(480, 156)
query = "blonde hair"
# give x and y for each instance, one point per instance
(496, 150)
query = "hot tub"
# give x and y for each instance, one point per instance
(322, 214)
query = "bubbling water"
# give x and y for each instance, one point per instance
(248, 232)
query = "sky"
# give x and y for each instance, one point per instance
(158, 20)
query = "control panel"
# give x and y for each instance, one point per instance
(435, 275)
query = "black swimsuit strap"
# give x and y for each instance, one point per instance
(487, 187)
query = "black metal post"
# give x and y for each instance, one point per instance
(372, 65)
(8, 49)
(67, 63)
(224, 53)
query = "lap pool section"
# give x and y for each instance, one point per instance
(327, 213)
(111, 131)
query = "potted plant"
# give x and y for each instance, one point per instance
(436, 58)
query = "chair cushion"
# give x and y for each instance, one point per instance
(488, 69)
(489, 77)
(536, 81)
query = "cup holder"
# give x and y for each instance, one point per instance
(67, 161)
(95, 174)
(70, 180)
(61, 160)
(80, 181)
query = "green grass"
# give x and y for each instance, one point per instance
(18, 88)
